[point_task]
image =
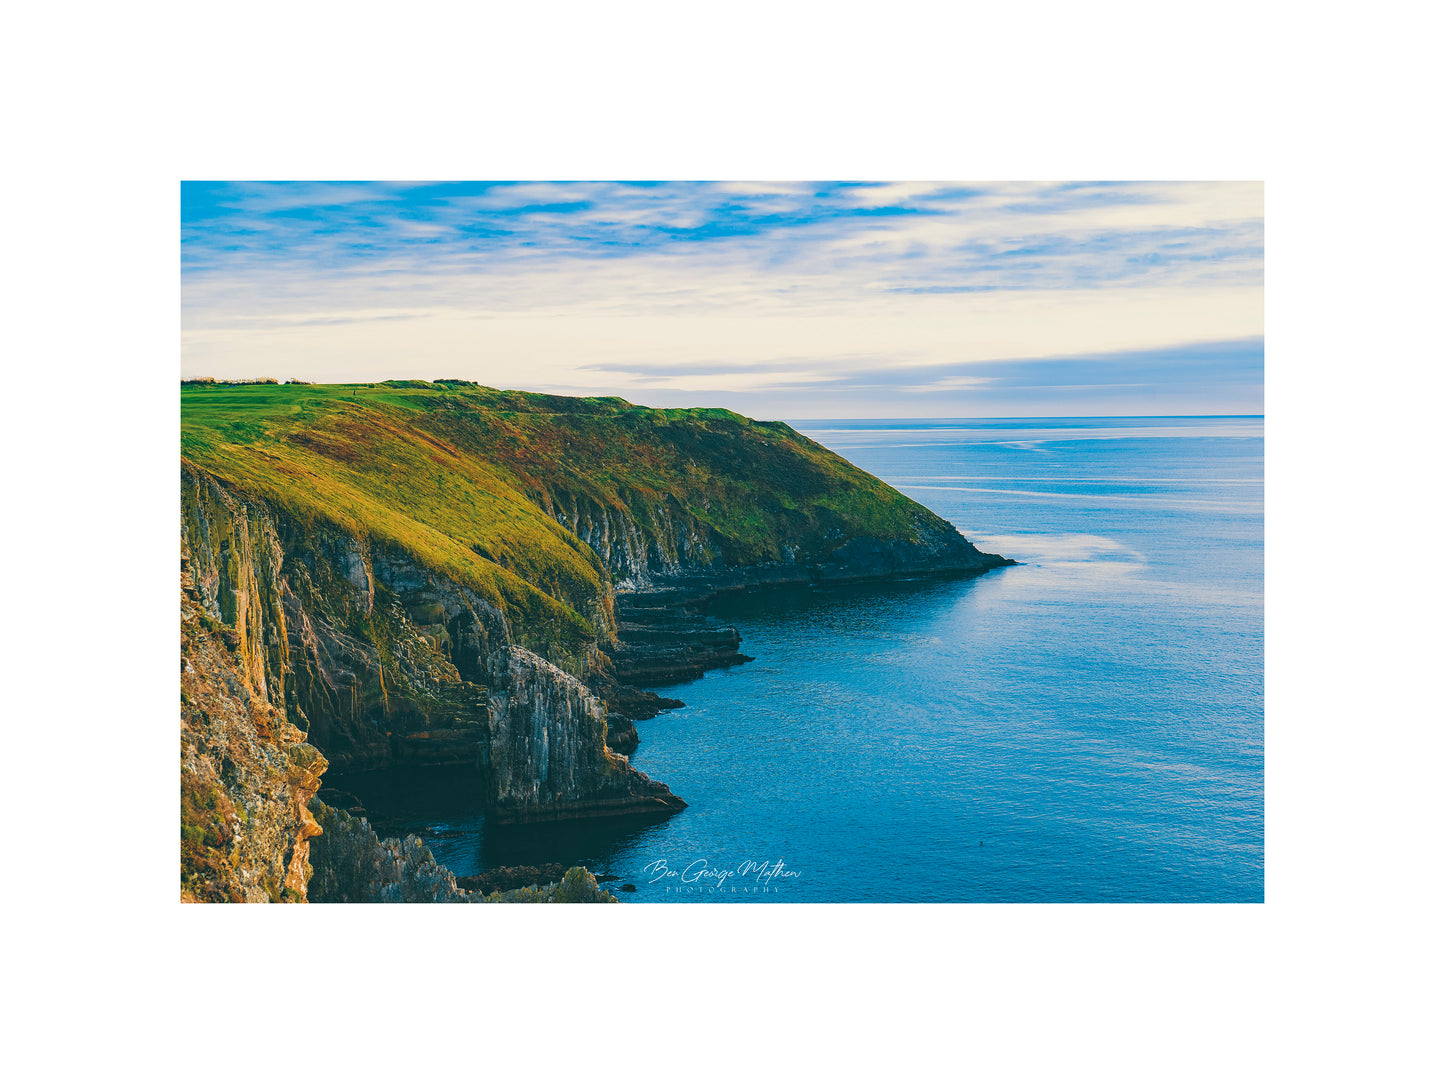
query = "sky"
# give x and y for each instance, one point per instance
(775, 299)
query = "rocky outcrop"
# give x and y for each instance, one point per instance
(379, 661)
(353, 865)
(247, 775)
(507, 878)
(648, 542)
(547, 757)
(622, 734)
(664, 638)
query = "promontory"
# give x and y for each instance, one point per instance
(441, 574)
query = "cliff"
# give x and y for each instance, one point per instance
(378, 660)
(442, 574)
(247, 775)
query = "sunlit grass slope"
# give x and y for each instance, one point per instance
(453, 474)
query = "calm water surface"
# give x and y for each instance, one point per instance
(1086, 727)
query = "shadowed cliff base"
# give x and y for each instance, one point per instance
(353, 865)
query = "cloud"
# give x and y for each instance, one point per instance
(711, 286)
(935, 231)
(948, 383)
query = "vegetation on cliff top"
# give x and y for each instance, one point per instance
(459, 476)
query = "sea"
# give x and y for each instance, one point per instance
(1085, 726)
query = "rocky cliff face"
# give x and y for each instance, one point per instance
(247, 775)
(648, 543)
(379, 661)
(547, 756)
(664, 545)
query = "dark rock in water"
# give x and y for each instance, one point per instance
(339, 799)
(627, 888)
(626, 792)
(664, 634)
(547, 759)
(628, 700)
(621, 734)
(355, 865)
(579, 886)
(506, 878)
(663, 638)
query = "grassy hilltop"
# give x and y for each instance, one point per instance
(458, 475)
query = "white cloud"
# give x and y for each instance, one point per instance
(266, 196)
(764, 188)
(952, 383)
(895, 192)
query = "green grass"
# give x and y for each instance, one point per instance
(455, 475)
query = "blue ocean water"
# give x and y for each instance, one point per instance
(1085, 727)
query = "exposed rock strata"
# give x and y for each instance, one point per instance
(663, 638)
(379, 662)
(664, 545)
(547, 759)
(247, 775)
(649, 542)
(622, 732)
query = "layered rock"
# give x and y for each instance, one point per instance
(663, 637)
(507, 878)
(380, 661)
(664, 545)
(247, 775)
(547, 757)
(648, 542)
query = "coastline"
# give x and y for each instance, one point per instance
(511, 622)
